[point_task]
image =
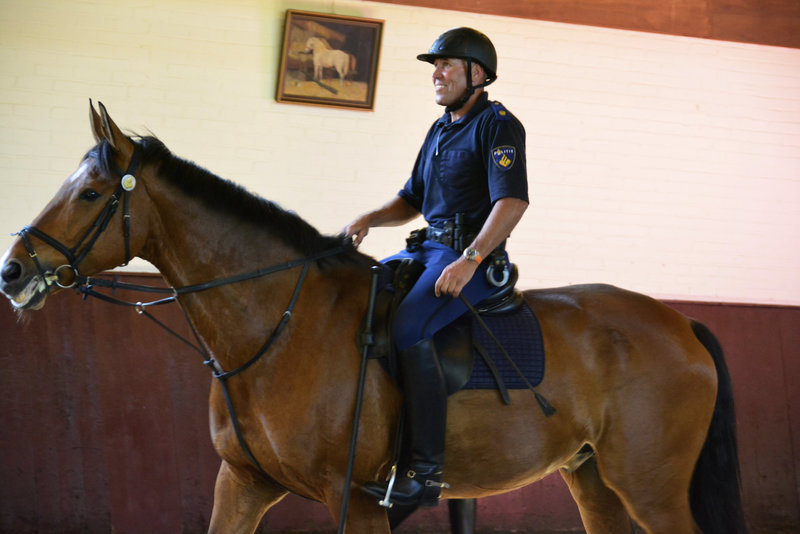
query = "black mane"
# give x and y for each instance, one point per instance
(224, 196)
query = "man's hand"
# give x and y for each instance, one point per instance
(394, 213)
(454, 277)
(357, 229)
(504, 216)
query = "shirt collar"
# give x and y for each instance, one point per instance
(480, 104)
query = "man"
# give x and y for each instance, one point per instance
(471, 170)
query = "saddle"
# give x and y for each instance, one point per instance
(454, 343)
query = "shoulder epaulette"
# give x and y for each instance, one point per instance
(500, 112)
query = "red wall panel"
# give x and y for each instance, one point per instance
(108, 424)
(776, 22)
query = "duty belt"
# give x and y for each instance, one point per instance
(449, 237)
(455, 236)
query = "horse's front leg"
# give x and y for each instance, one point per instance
(364, 515)
(241, 499)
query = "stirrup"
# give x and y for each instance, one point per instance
(386, 503)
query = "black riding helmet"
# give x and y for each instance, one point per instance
(470, 45)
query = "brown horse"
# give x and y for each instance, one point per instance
(639, 387)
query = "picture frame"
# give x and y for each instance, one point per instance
(329, 60)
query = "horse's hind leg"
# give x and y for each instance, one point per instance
(656, 495)
(240, 501)
(659, 500)
(648, 454)
(601, 510)
(651, 470)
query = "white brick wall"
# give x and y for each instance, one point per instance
(663, 164)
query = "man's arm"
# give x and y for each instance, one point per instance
(503, 218)
(394, 213)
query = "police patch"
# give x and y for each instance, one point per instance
(504, 156)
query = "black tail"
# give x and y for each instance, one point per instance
(715, 490)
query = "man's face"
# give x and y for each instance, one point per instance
(449, 80)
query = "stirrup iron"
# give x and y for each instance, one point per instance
(386, 503)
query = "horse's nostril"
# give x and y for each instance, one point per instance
(11, 271)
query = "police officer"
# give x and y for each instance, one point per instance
(470, 184)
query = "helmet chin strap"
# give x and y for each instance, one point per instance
(468, 92)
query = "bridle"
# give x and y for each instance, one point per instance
(78, 253)
(86, 285)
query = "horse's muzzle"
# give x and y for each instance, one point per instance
(24, 292)
(11, 272)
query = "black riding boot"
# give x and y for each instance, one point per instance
(425, 403)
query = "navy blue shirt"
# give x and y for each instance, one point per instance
(468, 165)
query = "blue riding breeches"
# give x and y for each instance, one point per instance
(422, 313)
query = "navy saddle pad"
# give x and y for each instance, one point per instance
(521, 336)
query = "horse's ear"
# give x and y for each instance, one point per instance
(104, 129)
(95, 122)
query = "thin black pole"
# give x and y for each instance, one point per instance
(367, 341)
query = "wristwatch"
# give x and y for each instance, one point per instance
(471, 253)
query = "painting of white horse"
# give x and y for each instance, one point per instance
(318, 48)
(323, 56)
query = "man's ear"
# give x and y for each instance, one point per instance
(478, 73)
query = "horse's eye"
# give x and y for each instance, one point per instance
(90, 195)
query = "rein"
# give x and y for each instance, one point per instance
(85, 285)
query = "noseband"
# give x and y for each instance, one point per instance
(78, 253)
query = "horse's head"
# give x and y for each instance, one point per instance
(84, 229)
(315, 44)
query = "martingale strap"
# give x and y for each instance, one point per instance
(86, 287)
(222, 376)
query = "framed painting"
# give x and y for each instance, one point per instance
(329, 60)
